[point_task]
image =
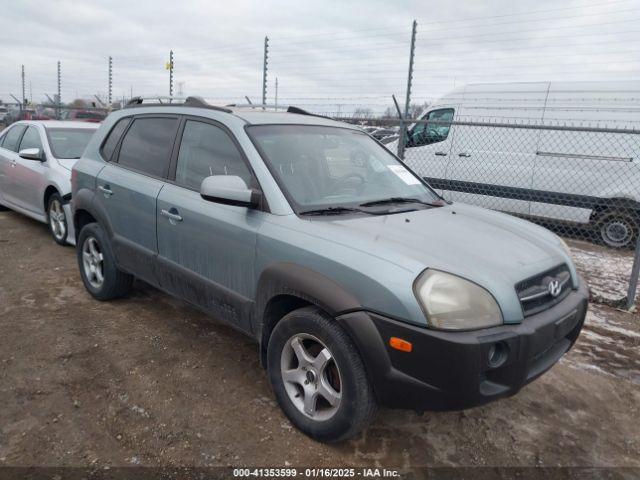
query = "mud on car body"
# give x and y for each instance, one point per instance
(360, 284)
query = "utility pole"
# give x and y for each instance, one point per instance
(407, 103)
(23, 102)
(265, 62)
(58, 112)
(170, 73)
(110, 90)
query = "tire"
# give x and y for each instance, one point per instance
(617, 229)
(3, 208)
(57, 219)
(342, 370)
(94, 255)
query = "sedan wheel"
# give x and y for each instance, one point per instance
(57, 220)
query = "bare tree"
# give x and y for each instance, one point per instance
(362, 112)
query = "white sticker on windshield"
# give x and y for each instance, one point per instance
(404, 174)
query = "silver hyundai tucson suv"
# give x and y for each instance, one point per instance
(360, 284)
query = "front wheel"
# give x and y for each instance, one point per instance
(318, 377)
(57, 219)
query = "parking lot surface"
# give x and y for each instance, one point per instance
(148, 380)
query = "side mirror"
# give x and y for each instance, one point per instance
(230, 190)
(31, 154)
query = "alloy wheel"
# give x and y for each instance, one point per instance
(57, 220)
(311, 377)
(92, 260)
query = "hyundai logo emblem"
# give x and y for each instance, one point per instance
(554, 288)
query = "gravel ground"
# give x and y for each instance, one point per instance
(147, 380)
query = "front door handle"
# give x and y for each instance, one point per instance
(171, 215)
(441, 154)
(464, 154)
(105, 190)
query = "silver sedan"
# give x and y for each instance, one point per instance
(36, 158)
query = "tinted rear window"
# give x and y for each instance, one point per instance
(109, 146)
(146, 147)
(12, 138)
(69, 142)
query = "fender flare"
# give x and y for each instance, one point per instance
(84, 200)
(289, 279)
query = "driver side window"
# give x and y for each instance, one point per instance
(434, 130)
(31, 139)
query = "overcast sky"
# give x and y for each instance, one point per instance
(327, 56)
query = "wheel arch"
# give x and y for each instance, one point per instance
(285, 287)
(50, 190)
(85, 210)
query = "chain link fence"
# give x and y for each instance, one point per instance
(581, 182)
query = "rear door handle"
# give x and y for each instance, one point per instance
(171, 215)
(442, 154)
(105, 190)
(464, 154)
(13, 162)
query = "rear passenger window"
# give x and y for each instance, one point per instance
(109, 146)
(12, 137)
(146, 147)
(207, 150)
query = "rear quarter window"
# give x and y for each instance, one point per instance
(113, 137)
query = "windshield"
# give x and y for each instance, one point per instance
(69, 142)
(325, 167)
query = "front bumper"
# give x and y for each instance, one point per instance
(451, 370)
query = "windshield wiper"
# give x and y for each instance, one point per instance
(332, 211)
(387, 201)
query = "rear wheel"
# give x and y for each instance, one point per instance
(617, 229)
(98, 270)
(57, 219)
(318, 376)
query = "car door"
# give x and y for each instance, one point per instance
(29, 176)
(128, 188)
(428, 147)
(492, 166)
(8, 160)
(206, 249)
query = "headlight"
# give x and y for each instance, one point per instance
(453, 303)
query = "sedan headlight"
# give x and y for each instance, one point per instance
(453, 303)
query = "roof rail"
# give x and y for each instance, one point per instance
(300, 111)
(193, 101)
(256, 105)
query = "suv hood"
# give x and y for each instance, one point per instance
(492, 249)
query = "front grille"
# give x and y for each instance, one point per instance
(535, 293)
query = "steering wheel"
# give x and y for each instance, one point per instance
(343, 182)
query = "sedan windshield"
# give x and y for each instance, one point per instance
(69, 142)
(323, 167)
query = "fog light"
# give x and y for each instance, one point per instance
(498, 354)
